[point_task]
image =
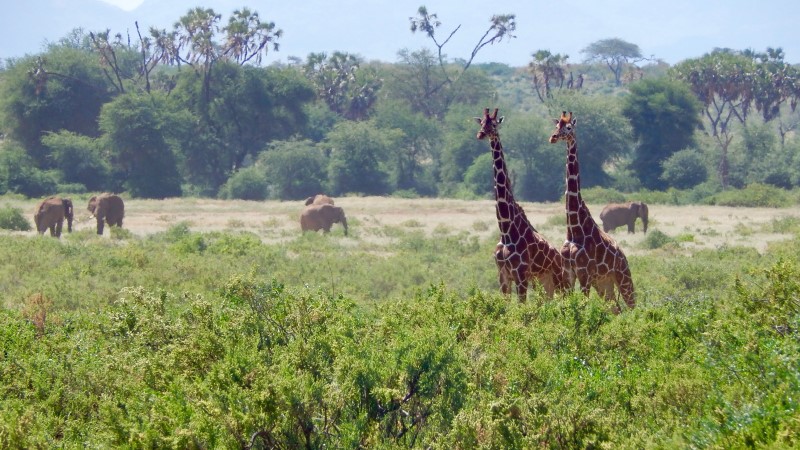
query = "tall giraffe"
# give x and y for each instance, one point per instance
(523, 254)
(590, 255)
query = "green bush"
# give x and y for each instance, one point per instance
(657, 239)
(754, 195)
(247, 184)
(12, 219)
(684, 169)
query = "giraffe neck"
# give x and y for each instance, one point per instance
(510, 218)
(579, 220)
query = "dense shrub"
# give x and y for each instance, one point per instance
(13, 219)
(754, 195)
(246, 184)
(684, 169)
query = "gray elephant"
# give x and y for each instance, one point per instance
(319, 199)
(108, 208)
(322, 217)
(51, 212)
(618, 214)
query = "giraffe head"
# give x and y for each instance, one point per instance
(565, 127)
(489, 124)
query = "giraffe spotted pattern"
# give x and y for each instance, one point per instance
(590, 255)
(522, 255)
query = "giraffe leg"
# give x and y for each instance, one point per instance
(504, 274)
(625, 285)
(522, 291)
(605, 288)
(548, 283)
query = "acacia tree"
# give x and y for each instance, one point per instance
(443, 85)
(200, 42)
(775, 83)
(548, 72)
(722, 81)
(344, 83)
(615, 53)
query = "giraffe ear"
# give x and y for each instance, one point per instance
(574, 121)
(556, 121)
(478, 119)
(500, 120)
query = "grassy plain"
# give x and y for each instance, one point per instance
(207, 323)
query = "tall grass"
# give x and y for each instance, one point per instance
(216, 339)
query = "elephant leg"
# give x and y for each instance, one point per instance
(59, 225)
(100, 225)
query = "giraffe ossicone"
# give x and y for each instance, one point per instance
(522, 255)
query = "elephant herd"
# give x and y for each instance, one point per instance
(51, 212)
(320, 213)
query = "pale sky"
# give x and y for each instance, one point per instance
(670, 30)
(127, 5)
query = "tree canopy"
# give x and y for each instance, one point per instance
(615, 53)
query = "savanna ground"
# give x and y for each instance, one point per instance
(209, 323)
(697, 226)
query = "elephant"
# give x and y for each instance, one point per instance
(319, 199)
(321, 217)
(617, 214)
(107, 207)
(51, 212)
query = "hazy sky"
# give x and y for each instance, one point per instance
(672, 30)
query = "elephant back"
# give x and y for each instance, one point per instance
(319, 199)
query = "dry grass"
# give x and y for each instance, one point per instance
(697, 227)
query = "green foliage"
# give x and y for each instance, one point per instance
(294, 170)
(754, 195)
(684, 169)
(249, 183)
(137, 129)
(664, 115)
(601, 195)
(603, 133)
(80, 160)
(344, 82)
(18, 174)
(358, 150)
(614, 53)
(412, 162)
(204, 345)
(478, 179)
(12, 218)
(657, 239)
(532, 158)
(62, 89)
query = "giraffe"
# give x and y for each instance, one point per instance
(590, 255)
(522, 254)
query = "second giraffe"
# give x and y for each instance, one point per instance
(590, 255)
